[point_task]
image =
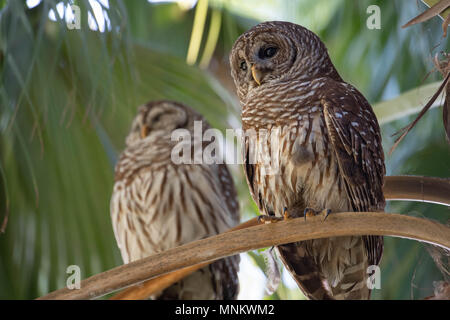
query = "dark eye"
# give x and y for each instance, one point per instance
(243, 66)
(268, 52)
(157, 117)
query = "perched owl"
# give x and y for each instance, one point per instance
(158, 203)
(311, 143)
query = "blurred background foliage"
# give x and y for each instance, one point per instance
(67, 98)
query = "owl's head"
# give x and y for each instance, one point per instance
(277, 51)
(160, 118)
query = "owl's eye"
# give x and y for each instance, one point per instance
(157, 118)
(268, 52)
(243, 66)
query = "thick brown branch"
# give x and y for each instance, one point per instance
(418, 188)
(230, 243)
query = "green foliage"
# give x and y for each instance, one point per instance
(68, 98)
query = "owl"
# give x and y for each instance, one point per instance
(311, 143)
(159, 203)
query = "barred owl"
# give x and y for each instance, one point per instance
(158, 204)
(311, 143)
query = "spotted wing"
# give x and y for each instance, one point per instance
(355, 135)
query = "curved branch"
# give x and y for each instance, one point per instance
(417, 188)
(230, 243)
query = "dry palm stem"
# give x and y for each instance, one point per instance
(417, 188)
(404, 131)
(433, 11)
(260, 236)
(444, 68)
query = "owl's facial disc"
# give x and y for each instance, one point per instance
(157, 118)
(164, 115)
(261, 58)
(149, 119)
(275, 51)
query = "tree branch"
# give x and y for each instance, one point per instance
(417, 188)
(231, 243)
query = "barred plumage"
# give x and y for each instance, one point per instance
(158, 204)
(327, 155)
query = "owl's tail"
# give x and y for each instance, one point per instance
(218, 281)
(314, 280)
(304, 271)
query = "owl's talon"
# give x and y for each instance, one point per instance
(309, 212)
(268, 219)
(326, 212)
(286, 215)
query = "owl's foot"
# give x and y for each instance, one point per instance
(269, 219)
(309, 212)
(272, 219)
(286, 215)
(326, 212)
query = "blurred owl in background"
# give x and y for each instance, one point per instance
(157, 204)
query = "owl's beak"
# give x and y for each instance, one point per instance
(144, 131)
(257, 75)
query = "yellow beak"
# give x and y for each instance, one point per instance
(144, 131)
(257, 75)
